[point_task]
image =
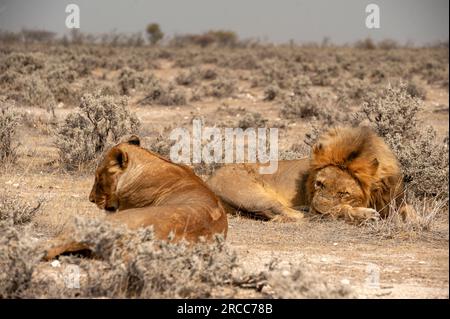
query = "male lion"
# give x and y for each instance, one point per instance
(351, 173)
(139, 188)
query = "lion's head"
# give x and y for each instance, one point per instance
(352, 166)
(109, 170)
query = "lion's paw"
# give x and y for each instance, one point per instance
(366, 214)
(290, 216)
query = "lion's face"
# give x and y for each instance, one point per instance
(108, 172)
(334, 187)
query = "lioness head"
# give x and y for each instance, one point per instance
(345, 169)
(113, 165)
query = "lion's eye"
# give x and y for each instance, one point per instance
(319, 185)
(343, 194)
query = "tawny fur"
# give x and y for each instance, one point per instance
(354, 163)
(366, 157)
(149, 190)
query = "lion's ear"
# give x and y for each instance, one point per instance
(134, 140)
(121, 158)
(374, 165)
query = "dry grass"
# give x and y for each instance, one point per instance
(255, 85)
(429, 211)
(135, 265)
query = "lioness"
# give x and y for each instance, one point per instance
(139, 188)
(350, 173)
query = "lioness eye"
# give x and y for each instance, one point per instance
(318, 184)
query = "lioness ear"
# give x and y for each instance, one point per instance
(121, 158)
(317, 148)
(134, 140)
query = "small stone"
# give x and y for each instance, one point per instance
(16, 185)
(285, 273)
(55, 263)
(345, 282)
(335, 244)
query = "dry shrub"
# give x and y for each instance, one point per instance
(22, 63)
(208, 74)
(135, 265)
(252, 119)
(355, 90)
(300, 106)
(188, 78)
(194, 75)
(301, 103)
(388, 44)
(16, 211)
(18, 253)
(394, 116)
(221, 87)
(160, 143)
(158, 93)
(93, 86)
(18, 260)
(99, 122)
(29, 90)
(416, 90)
(21, 79)
(130, 80)
(271, 92)
(324, 72)
(239, 60)
(366, 44)
(60, 79)
(300, 281)
(9, 120)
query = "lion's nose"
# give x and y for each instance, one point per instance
(91, 199)
(110, 209)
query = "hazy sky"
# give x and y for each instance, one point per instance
(419, 21)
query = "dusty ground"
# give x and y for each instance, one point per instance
(407, 267)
